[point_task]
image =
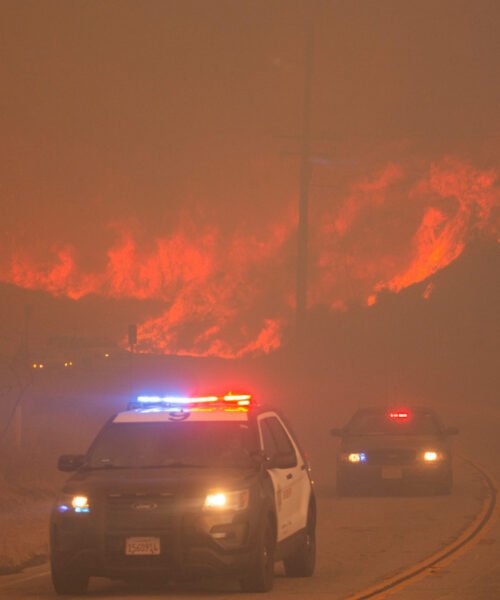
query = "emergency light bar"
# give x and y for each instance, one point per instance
(186, 402)
(399, 414)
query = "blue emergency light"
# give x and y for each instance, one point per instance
(184, 402)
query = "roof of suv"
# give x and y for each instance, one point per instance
(229, 407)
(156, 415)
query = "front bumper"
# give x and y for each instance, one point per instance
(191, 546)
(367, 475)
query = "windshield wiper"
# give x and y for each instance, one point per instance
(105, 467)
(361, 433)
(174, 465)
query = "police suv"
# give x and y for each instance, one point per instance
(179, 488)
(394, 447)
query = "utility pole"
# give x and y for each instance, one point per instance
(305, 178)
(25, 355)
(132, 337)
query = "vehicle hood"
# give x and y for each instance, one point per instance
(177, 481)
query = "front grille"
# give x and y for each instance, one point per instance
(140, 512)
(391, 456)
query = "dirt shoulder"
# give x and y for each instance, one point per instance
(24, 517)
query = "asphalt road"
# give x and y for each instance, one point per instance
(365, 541)
(474, 574)
(361, 541)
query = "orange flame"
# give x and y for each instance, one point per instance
(229, 295)
(442, 234)
(392, 232)
(203, 279)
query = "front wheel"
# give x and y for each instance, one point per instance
(302, 561)
(260, 575)
(69, 581)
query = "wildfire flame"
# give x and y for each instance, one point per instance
(229, 295)
(393, 231)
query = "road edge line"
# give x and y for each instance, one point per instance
(470, 536)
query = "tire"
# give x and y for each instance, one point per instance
(260, 575)
(69, 581)
(302, 561)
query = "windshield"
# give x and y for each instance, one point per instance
(148, 445)
(381, 424)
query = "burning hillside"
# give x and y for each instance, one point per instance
(231, 294)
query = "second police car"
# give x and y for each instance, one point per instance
(394, 447)
(182, 487)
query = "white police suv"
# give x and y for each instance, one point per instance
(178, 488)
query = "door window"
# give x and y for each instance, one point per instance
(268, 442)
(282, 440)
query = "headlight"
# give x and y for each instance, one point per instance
(432, 456)
(354, 457)
(218, 500)
(75, 503)
(80, 503)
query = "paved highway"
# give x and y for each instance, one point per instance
(361, 541)
(366, 542)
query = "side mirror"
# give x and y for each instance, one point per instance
(451, 430)
(281, 460)
(258, 457)
(70, 462)
(337, 431)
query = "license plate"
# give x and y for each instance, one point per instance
(392, 472)
(142, 546)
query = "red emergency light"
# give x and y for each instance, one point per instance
(399, 415)
(228, 401)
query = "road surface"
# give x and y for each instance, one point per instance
(361, 542)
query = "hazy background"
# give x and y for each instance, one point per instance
(149, 174)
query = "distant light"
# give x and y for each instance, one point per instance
(430, 456)
(399, 414)
(107, 355)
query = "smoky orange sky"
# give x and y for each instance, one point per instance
(149, 150)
